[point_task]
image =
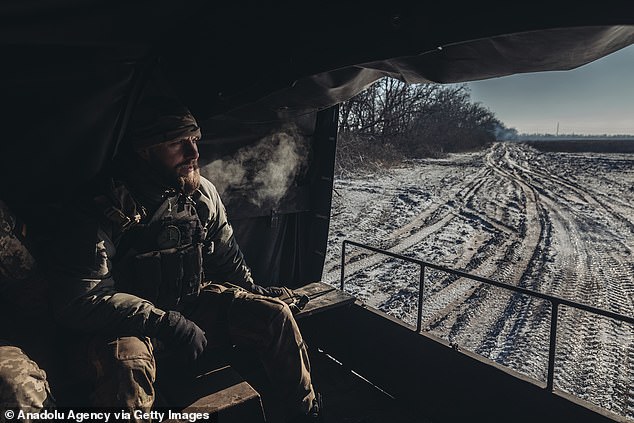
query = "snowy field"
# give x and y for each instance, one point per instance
(558, 223)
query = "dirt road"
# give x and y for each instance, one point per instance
(559, 223)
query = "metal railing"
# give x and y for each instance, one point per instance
(555, 301)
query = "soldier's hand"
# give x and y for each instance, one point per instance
(295, 301)
(268, 291)
(182, 336)
(278, 291)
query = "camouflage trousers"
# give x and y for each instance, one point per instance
(125, 368)
(23, 385)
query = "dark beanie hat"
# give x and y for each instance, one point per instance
(157, 120)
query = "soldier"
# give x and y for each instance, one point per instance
(23, 385)
(25, 324)
(144, 267)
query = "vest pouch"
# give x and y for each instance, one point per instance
(172, 277)
(167, 278)
(192, 272)
(146, 278)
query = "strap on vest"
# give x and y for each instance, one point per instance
(119, 207)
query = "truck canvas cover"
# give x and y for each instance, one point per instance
(73, 71)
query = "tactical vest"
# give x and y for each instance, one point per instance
(160, 259)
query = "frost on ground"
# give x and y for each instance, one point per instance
(557, 223)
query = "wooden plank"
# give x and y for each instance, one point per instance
(322, 297)
(236, 404)
(224, 394)
(229, 397)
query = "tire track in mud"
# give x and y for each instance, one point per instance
(487, 308)
(531, 223)
(583, 345)
(586, 197)
(403, 238)
(584, 339)
(484, 259)
(546, 178)
(430, 222)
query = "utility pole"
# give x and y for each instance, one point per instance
(557, 132)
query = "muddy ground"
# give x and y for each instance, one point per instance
(558, 223)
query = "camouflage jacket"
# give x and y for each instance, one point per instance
(23, 288)
(87, 295)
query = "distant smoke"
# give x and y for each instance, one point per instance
(502, 133)
(262, 173)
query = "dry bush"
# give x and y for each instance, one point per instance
(355, 155)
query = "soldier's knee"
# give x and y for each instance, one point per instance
(131, 352)
(279, 321)
(274, 312)
(126, 372)
(284, 313)
(134, 361)
(260, 317)
(22, 383)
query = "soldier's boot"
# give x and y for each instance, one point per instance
(316, 413)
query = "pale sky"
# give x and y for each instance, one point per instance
(597, 98)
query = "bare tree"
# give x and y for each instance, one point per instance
(393, 119)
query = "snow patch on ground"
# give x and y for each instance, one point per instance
(558, 223)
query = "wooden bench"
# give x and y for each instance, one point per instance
(323, 297)
(221, 393)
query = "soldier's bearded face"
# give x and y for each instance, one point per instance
(178, 161)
